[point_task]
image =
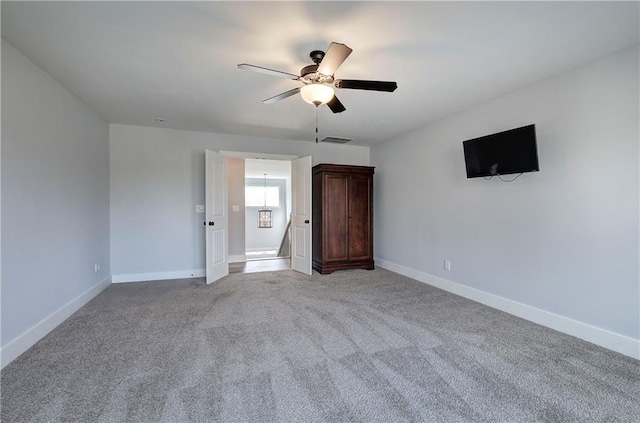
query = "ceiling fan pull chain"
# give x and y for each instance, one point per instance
(316, 123)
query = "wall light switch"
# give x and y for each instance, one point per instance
(235, 208)
(199, 209)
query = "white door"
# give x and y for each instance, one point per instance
(216, 216)
(301, 215)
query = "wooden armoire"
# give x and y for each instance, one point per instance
(342, 216)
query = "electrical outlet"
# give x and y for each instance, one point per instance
(96, 267)
(447, 265)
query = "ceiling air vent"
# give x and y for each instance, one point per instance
(336, 140)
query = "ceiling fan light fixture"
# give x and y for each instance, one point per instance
(316, 94)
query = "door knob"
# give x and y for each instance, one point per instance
(306, 221)
(211, 223)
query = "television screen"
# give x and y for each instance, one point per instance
(512, 151)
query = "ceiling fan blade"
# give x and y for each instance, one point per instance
(356, 84)
(333, 58)
(335, 105)
(282, 96)
(268, 71)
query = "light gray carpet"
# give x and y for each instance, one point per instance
(280, 346)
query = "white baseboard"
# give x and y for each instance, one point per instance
(602, 337)
(158, 276)
(239, 258)
(22, 343)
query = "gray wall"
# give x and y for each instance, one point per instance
(55, 196)
(157, 179)
(235, 185)
(564, 239)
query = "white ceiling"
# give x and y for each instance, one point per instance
(134, 62)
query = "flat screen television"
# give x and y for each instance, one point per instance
(508, 152)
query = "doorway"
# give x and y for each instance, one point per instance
(231, 199)
(267, 190)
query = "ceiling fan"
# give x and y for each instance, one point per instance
(318, 81)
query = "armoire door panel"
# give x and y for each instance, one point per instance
(335, 212)
(359, 229)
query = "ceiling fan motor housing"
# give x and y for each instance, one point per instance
(308, 70)
(309, 75)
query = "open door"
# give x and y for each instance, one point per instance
(217, 238)
(301, 215)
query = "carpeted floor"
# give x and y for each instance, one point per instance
(353, 346)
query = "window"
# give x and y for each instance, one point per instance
(254, 196)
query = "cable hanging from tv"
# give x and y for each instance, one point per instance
(488, 178)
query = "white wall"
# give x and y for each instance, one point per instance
(55, 203)
(563, 240)
(157, 178)
(262, 239)
(278, 171)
